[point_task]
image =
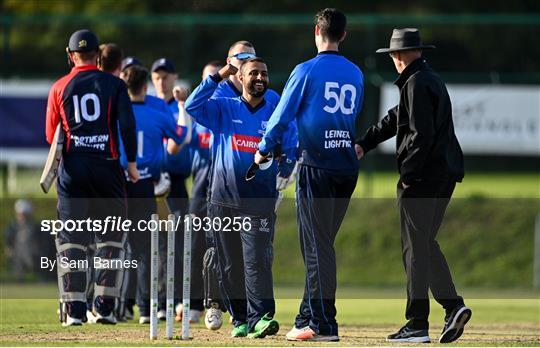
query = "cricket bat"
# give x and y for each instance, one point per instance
(50, 171)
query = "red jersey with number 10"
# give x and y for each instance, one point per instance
(92, 105)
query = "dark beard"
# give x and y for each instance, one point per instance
(253, 91)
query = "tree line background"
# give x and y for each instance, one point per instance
(477, 40)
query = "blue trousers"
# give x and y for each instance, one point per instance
(322, 201)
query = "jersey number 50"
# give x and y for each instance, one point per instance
(81, 109)
(329, 94)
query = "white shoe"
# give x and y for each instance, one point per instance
(307, 334)
(212, 319)
(194, 316)
(90, 317)
(162, 314)
(144, 320)
(179, 312)
(100, 319)
(71, 321)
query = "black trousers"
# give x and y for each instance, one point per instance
(245, 266)
(322, 200)
(422, 206)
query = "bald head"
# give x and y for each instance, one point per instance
(241, 46)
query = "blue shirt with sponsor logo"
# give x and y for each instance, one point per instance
(179, 164)
(237, 128)
(324, 95)
(227, 89)
(152, 126)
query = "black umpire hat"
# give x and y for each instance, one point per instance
(83, 41)
(404, 39)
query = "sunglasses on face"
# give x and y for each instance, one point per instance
(243, 55)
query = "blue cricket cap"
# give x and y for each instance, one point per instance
(163, 64)
(129, 61)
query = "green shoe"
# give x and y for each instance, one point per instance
(239, 331)
(266, 326)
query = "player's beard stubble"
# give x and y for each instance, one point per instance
(252, 90)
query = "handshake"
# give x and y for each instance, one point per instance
(286, 169)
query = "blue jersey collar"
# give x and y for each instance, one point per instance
(251, 108)
(233, 87)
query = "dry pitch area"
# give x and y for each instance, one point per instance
(373, 335)
(499, 319)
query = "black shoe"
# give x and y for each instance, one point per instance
(406, 334)
(454, 324)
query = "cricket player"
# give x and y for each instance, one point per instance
(130, 281)
(110, 58)
(150, 100)
(93, 108)
(237, 125)
(200, 171)
(152, 127)
(324, 95)
(231, 87)
(178, 167)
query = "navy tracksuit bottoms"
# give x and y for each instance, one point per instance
(245, 266)
(89, 187)
(322, 200)
(141, 206)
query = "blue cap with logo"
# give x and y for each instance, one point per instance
(83, 41)
(129, 61)
(163, 64)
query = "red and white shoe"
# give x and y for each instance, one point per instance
(307, 334)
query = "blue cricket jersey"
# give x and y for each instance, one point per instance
(324, 95)
(227, 89)
(200, 159)
(179, 164)
(157, 103)
(152, 126)
(237, 128)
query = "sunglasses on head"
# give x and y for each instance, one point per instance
(243, 55)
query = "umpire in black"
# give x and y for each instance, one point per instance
(430, 162)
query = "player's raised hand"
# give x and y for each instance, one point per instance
(180, 94)
(227, 71)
